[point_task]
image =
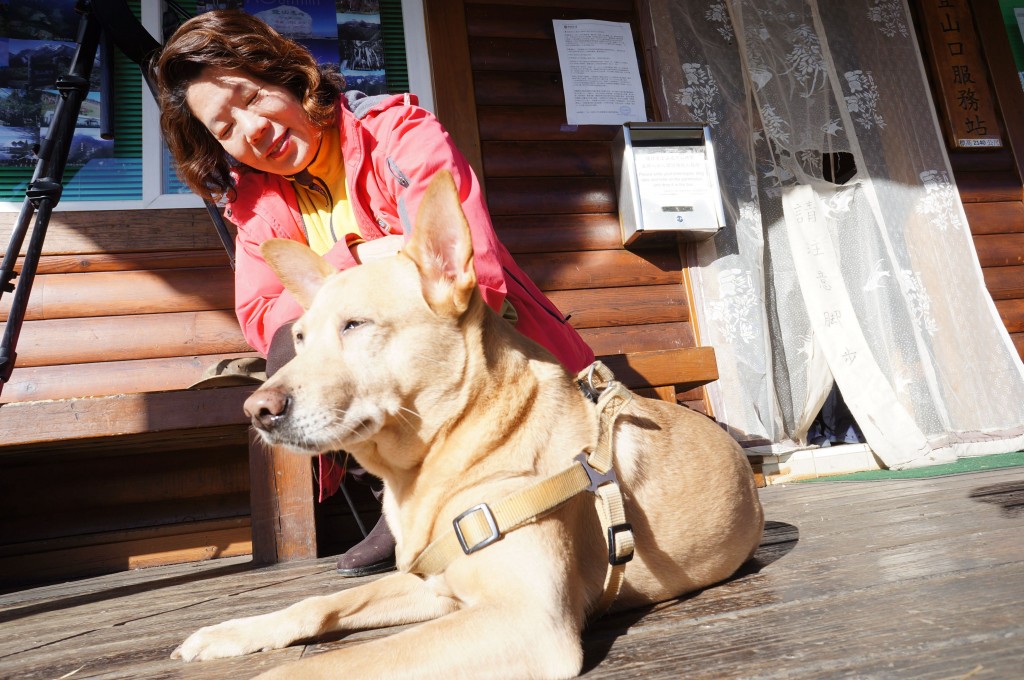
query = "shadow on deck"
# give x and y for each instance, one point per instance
(910, 578)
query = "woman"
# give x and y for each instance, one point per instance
(251, 118)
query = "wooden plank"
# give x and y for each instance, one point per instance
(518, 54)
(547, 159)
(533, 22)
(114, 262)
(125, 231)
(1018, 342)
(686, 368)
(512, 123)
(988, 187)
(1012, 313)
(1000, 250)
(119, 338)
(63, 296)
(1005, 282)
(151, 594)
(995, 218)
(282, 489)
(551, 195)
(619, 5)
(454, 101)
(508, 88)
(849, 632)
(550, 233)
(993, 160)
(601, 269)
(622, 306)
(39, 422)
(74, 525)
(638, 338)
(167, 545)
(37, 383)
(147, 443)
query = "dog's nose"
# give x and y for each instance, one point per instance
(267, 408)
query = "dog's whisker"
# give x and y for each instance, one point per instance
(405, 419)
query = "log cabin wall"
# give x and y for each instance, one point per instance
(124, 303)
(990, 180)
(549, 186)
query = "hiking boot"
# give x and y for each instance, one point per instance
(375, 554)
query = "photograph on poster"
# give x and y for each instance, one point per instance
(16, 144)
(86, 143)
(357, 6)
(39, 19)
(309, 22)
(362, 51)
(36, 64)
(210, 5)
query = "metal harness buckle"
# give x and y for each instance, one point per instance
(491, 524)
(596, 478)
(613, 532)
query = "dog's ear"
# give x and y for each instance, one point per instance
(441, 246)
(300, 269)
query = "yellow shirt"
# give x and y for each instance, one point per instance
(323, 197)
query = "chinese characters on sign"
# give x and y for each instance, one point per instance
(966, 96)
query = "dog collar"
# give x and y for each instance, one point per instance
(485, 523)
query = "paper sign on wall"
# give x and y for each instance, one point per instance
(600, 74)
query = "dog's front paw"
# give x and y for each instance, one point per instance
(231, 638)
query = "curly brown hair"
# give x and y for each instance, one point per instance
(233, 40)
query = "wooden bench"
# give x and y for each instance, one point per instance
(113, 338)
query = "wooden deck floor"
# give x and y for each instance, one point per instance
(897, 579)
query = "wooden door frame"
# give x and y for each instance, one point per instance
(452, 77)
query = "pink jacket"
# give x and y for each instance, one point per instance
(392, 149)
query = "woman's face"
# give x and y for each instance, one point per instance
(261, 125)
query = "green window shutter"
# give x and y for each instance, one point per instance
(392, 26)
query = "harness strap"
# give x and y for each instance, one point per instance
(485, 523)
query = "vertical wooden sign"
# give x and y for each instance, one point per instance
(966, 97)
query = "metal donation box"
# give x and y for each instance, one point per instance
(667, 183)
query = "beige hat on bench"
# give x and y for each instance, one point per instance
(233, 372)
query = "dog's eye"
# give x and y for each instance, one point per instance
(350, 325)
(298, 337)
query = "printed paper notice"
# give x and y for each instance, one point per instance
(600, 75)
(675, 189)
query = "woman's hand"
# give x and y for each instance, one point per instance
(378, 248)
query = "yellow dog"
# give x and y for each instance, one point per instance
(401, 363)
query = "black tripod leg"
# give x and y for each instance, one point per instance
(45, 188)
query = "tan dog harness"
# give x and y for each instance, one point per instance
(485, 523)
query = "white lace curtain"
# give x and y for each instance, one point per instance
(873, 283)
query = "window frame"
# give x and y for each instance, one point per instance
(420, 82)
